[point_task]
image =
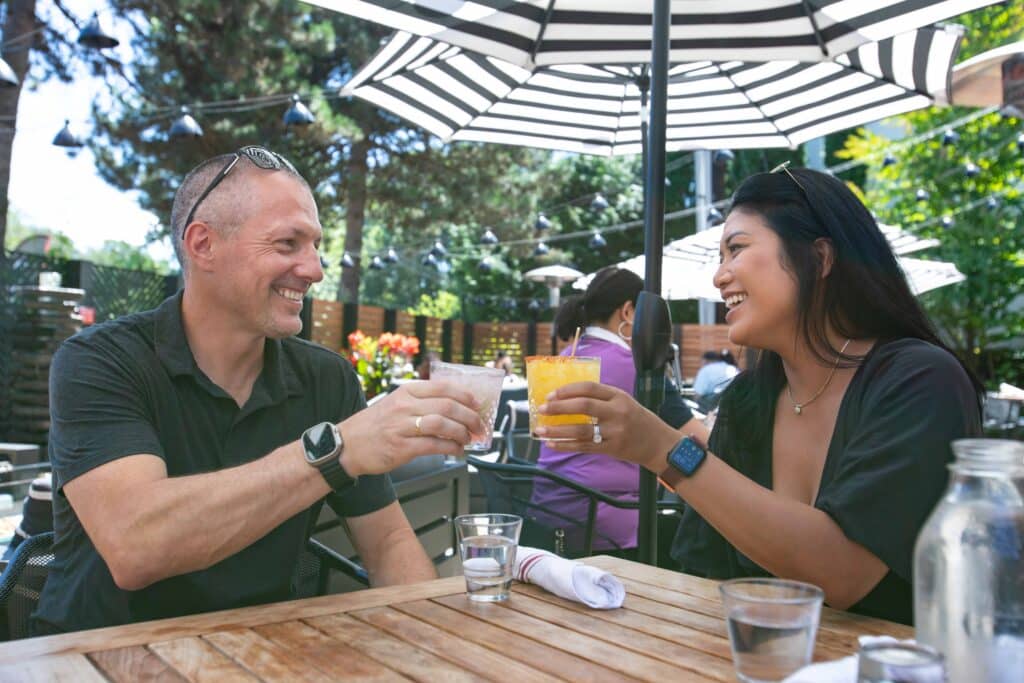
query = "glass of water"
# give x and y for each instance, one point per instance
(487, 545)
(772, 625)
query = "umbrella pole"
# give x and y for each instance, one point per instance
(650, 380)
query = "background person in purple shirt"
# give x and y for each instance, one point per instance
(605, 314)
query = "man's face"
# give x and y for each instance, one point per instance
(268, 263)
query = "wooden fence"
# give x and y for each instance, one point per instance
(329, 323)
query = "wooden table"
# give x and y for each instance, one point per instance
(670, 629)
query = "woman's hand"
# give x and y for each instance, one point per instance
(628, 430)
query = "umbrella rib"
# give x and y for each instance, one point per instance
(814, 26)
(543, 30)
(743, 91)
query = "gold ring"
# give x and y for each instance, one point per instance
(419, 430)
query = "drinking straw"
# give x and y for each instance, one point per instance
(575, 341)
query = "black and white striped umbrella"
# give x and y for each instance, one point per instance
(544, 32)
(461, 95)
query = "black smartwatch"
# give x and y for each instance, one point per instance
(322, 445)
(684, 460)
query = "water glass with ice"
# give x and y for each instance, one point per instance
(485, 385)
(772, 625)
(487, 545)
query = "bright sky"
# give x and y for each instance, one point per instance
(50, 190)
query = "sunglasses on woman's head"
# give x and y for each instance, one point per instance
(261, 157)
(784, 168)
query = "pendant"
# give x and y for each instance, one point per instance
(797, 408)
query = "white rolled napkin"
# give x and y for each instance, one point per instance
(567, 579)
(845, 670)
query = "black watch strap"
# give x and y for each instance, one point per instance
(336, 476)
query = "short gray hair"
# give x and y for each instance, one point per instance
(226, 201)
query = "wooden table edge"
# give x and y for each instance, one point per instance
(143, 633)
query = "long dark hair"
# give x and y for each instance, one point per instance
(865, 296)
(611, 287)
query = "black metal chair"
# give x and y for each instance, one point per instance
(21, 584)
(431, 493)
(509, 489)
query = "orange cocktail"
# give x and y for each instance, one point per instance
(544, 374)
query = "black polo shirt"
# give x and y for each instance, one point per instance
(132, 386)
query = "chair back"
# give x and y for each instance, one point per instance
(517, 441)
(509, 488)
(22, 583)
(431, 492)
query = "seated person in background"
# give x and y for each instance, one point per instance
(605, 314)
(829, 454)
(192, 445)
(501, 361)
(714, 376)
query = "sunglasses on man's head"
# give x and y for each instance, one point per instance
(261, 157)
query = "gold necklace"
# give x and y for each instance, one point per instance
(799, 407)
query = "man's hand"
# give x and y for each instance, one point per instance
(421, 418)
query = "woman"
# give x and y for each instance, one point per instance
(830, 453)
(604, 314)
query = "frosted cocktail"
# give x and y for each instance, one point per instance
(544, 374)
(485, 384)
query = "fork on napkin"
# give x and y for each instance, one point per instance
(568, 579)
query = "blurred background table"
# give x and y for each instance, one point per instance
(671, 628)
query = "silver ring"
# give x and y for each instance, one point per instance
(597, 433)
(419, 429)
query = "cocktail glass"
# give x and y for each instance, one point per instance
(544, 374)
(485, 385)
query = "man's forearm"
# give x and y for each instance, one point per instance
(405, 562)
(182, 524)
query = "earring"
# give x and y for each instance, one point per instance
(619, 332)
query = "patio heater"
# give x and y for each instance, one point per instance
(554, 277)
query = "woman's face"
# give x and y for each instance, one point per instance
(759, 293)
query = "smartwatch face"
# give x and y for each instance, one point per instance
(319, 441)
(687, 456)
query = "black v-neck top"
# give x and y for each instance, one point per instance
(884, 472)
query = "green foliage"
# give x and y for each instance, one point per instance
(443, 305)
(18, 231)
(123, 255)
(982, 314)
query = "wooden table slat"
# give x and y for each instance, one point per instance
(390, 651)
(596, 650)
(335, 658)
(62, 668)
(199, 662)
(466, 655)
(849, 623)
(713, 666)
(653, 623)
(196, 624)
(268, 661)
(131, 664)
(538, 655)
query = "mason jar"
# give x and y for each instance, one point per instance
(969, 565)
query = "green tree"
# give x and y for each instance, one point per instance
(971, 201)
(123, 255)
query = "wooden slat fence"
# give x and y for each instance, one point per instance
(328, 322)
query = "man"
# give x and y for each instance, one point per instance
(193, 443)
